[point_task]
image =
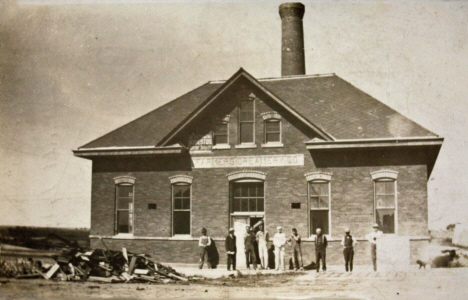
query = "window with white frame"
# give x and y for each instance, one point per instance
(124, 208)
(246, 121)
(272, 131)
(385, 204)
(247, 197)
(181, 212)
(385, 200)
(319, 204)
(220, 133)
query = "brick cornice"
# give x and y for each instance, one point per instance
(181, 179)
(246, 174)
(380, 174)
(318, 176)
(271, 115)
(124, 179)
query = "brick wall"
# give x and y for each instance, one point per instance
(177, 251)
(351, 189)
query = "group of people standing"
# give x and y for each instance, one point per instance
(280, 240)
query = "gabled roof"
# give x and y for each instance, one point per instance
(334, 108)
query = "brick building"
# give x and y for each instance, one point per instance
(302, 151)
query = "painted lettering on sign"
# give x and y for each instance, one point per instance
(200, 142)
(248, 161)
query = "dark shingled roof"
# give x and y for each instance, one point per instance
(149, 129)
(342, 110)
(331, 103)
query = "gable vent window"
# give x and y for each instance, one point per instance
(220, 134)
(246, 121)
(273, 131)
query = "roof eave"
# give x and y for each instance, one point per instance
(127, 151)
(375, 143)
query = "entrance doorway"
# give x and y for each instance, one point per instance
(239, 223)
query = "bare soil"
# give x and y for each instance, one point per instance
(426, 284)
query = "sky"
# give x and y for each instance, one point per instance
(71, 71)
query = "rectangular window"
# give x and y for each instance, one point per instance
(220, 134)
(319, 203)
(124, 209)
(247, 197)
(385, 205)
(273, 131)
(246, 121)
(181, 201)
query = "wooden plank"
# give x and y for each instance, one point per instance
(52, 271)
(99, 279)
(28, 276)
(124, 252)
(177, 277)
(132, 265)
(140, 271)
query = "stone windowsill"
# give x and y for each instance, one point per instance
(246, 146)
(273, 145)
(221, 147)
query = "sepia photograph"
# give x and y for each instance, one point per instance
(233, 149)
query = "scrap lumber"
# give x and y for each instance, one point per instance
(99, 265)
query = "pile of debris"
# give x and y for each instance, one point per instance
(98, 265)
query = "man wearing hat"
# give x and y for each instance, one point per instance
(249, 243)
(372, 238)
(231, 250)
(348, 242)
(321, 245)
(279, 240)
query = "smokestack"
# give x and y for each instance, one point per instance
(292, 36)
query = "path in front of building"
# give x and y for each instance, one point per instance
(430, 284)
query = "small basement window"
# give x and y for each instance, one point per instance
(296, 205)
(152, 206)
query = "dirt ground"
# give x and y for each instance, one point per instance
(424, 284)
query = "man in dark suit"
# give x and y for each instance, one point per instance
(231, 250)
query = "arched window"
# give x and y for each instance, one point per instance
(124, 207)
(247, 196)
(318, 186)
(385, 200)
(181, 204)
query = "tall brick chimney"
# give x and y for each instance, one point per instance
(292, 37)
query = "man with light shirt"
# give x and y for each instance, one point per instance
(203, 243)
(279, 241)
(372, 238)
